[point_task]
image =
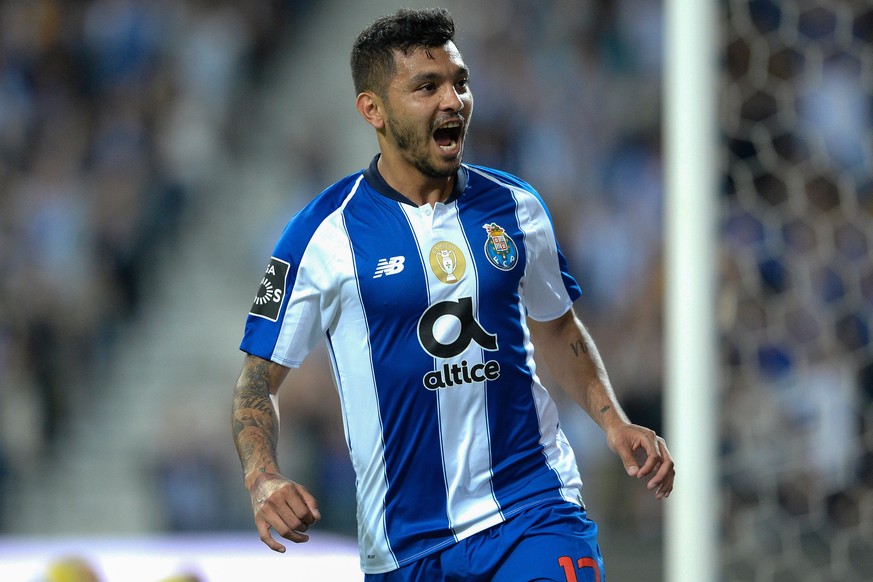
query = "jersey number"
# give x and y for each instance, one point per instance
(566, 563)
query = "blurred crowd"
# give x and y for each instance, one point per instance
(112, 113)
(796, 305)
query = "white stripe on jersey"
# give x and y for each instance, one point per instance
(463, 418)
(560, 458)
(329, 253)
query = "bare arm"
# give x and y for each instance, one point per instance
(277, 502)
(255, 423)
(572, 357)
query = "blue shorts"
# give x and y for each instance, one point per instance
(547, 542)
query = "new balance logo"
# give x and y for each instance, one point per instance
(390, 266)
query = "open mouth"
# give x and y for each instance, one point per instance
(448, 136)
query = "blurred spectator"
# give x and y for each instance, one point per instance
(71, 569)
(111, 114)
(192, 486)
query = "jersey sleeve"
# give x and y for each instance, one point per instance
(548, 289)
(296, 297)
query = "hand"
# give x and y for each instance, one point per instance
(643, 452)
(284, 506)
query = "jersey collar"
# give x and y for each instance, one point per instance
(375, 179)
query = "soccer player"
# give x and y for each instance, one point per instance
(430, 281)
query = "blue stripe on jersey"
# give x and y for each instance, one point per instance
(520, 472)
(570, 283)
(378, 230)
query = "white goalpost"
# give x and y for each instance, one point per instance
(691, 153)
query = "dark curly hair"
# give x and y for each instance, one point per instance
(372, 56)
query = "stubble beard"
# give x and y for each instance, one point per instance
(416, 150)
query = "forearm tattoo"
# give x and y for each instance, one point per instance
(255, 426)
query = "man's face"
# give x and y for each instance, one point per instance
(428, 109)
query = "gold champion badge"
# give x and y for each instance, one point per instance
(447, 262)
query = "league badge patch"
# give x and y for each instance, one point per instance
(500, 248)
(447, 262)
(272, 290)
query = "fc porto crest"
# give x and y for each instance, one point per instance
(500, 248)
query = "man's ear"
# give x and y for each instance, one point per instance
(371, 108)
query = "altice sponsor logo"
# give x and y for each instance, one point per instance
(456, 320)
(456, 374)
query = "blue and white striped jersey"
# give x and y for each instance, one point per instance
(423, 309)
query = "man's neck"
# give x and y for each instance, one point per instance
(410, 182)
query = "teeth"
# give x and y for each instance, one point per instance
(454, 143)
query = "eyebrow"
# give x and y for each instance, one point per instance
(422, 77)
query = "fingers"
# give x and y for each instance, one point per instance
(264, 533)
(659, 461)
(636, 447)
(662, 482)
(288, 509)
(310, 503)
(644, 453)
(652, 454)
